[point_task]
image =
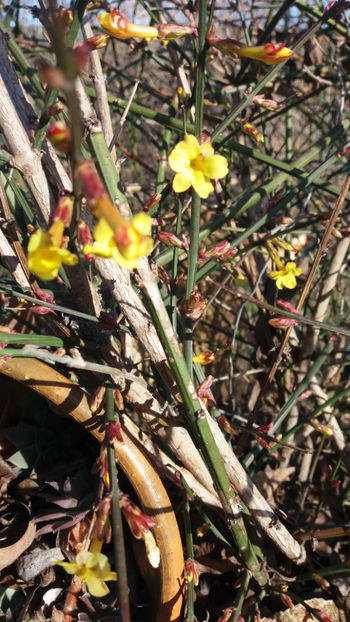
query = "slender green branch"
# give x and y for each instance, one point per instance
(117, 521)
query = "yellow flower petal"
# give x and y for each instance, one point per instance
(215, 167)
(96, 587)
(193, 147)
(202, 184)
(183, 180)
(179, 159)
(207, 149)
(69, 567)
(142, 223)
(39, 239)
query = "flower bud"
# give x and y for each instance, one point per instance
(217, 250)
(287, 306)
(152, 201)
(322, 581)
(64, 209)
(53, 110)
(60, 135)
(171, 240)
(194, 306)
(252, 130)
(268, 104)
(320, 427)
(97, 399)
(282, 322)
(174, 31)
(40, 310)
(191, 571)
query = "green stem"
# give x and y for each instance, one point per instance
(203, 438)
(241, 594)
(117, 522)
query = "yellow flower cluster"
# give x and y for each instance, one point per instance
(126, 245)
(46, 253)
(195, 165)
(93, 568)
(285, 277)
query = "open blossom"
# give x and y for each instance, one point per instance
(93, 568)
(204, 358)
(46, 253)
(130, 241)
(285, 277)
(195, 165)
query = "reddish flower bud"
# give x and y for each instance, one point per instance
(40, 310)
(84, 237)
(323, 615)
(54, 109)
(60, 135)
(336, 483)
(217, 250)
(322, 581)
(252, 130)
(320, 427)
(225, 425)
(287, 306)
(305, 394)
(191, 571)
(102, 462)
(194, 306)
(4, 359)
(118, 399)
(287, 600)
(97, 399)
(152, 201)
(174, 31)
(333, 8)
(64, 209)
(268, 104)
(40, 293)
(203, 390)
(283, 322)
(103, 529)
(226, 614)
(171, 240)
(113, 433)
(139, 522)
(164, 276)
(60, 352)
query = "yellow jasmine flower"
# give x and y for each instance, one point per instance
(195, 165)
(285, 277)
(93, 568)
(126, 245)
(45, 254)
